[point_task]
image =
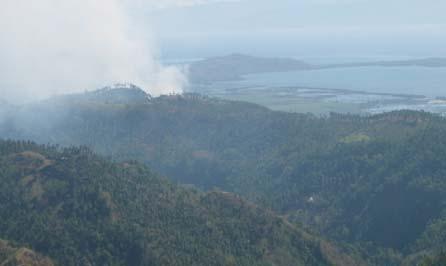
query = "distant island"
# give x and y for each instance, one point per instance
(233, 67)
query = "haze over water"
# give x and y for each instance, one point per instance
(395, 80)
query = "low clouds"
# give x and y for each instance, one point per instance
(51, 47)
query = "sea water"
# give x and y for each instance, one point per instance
(430, 82)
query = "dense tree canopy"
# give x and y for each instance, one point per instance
(375, 182)
(80, 209)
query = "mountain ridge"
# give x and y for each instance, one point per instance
(332, 175)
(81, 209)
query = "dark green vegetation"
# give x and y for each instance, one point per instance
(80, 209)
(13, 256)
(374, 184)
(438, 260)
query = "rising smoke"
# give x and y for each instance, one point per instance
(50, 47)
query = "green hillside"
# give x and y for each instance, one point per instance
(80, 209)
(374, 183)
(11, 255)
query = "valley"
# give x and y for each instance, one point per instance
(350, 179)
(222, 133)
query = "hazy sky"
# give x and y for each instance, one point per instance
(303, 27)
(52, 46)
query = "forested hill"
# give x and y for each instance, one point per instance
(11, 255)
(80, 209)
(234, 66)
(376, 182)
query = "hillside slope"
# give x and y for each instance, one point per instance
(376, 180)
(80, 209)
(12, 256)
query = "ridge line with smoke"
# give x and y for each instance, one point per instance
(51, 47)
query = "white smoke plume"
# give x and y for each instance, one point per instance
(50, 47)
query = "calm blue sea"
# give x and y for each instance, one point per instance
(425, 81)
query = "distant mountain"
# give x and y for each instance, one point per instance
(81, 209)
(233, 67)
